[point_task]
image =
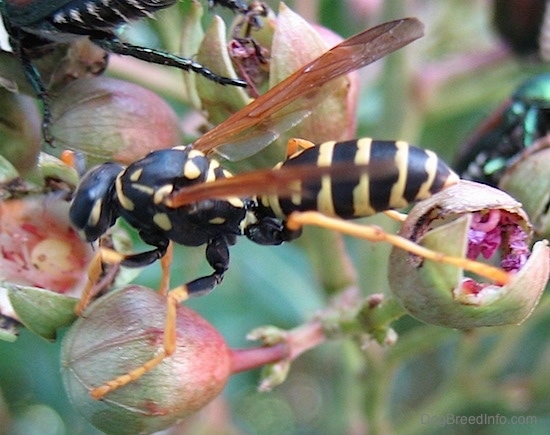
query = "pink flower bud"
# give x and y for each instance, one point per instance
(123, 330)
(112, 120)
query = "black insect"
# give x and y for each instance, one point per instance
(512, 128)
(524, 26)
(32, 24)
(149, 194)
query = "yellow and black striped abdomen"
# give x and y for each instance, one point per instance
(393, 175)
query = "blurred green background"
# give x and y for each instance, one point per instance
(433, 93)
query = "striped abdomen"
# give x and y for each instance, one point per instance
(395, 174)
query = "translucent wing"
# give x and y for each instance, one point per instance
(285, 105)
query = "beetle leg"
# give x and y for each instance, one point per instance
(34, 78)
(111, 44)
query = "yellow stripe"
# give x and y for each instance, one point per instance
(272, 201)
(162, 192)
(431, 169)
(211, 176)
(397, 199)
(296, 186)
(325, 203)
(143, 188)
(136, 174)
(95, 214)
(194, 153)
(124, 201)
(361, 192)
(235, 201)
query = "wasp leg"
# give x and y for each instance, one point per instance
(110, 256)
(395, 215)
(165, 264)
(94, 272)
(98, 279)
(111, 44)
(217, 254)
(271, 231)
(376, 234)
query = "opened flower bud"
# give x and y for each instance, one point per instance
(39, 247)
(43, 263)
(119, 333)
(478, 222)
(112, 120)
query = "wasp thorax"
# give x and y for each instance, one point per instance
(125, 329)
(476, 222)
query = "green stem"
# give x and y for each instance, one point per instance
(375, 318)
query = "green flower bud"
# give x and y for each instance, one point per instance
(469, 220)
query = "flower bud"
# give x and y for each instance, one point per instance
(42, 263)
(38, 245)
(20, 135)
(469, 220)
(121, 331)
(294, 43)
(109, 119)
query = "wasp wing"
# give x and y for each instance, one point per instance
(286, 104)
(283, 182)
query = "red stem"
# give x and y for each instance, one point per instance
(247, 359)
(292, 345)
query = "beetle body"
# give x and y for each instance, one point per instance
(62, 20)
(507, 133)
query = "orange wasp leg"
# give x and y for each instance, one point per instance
(395, 215)
(173, 298)
(376, 234)
(94, 272)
